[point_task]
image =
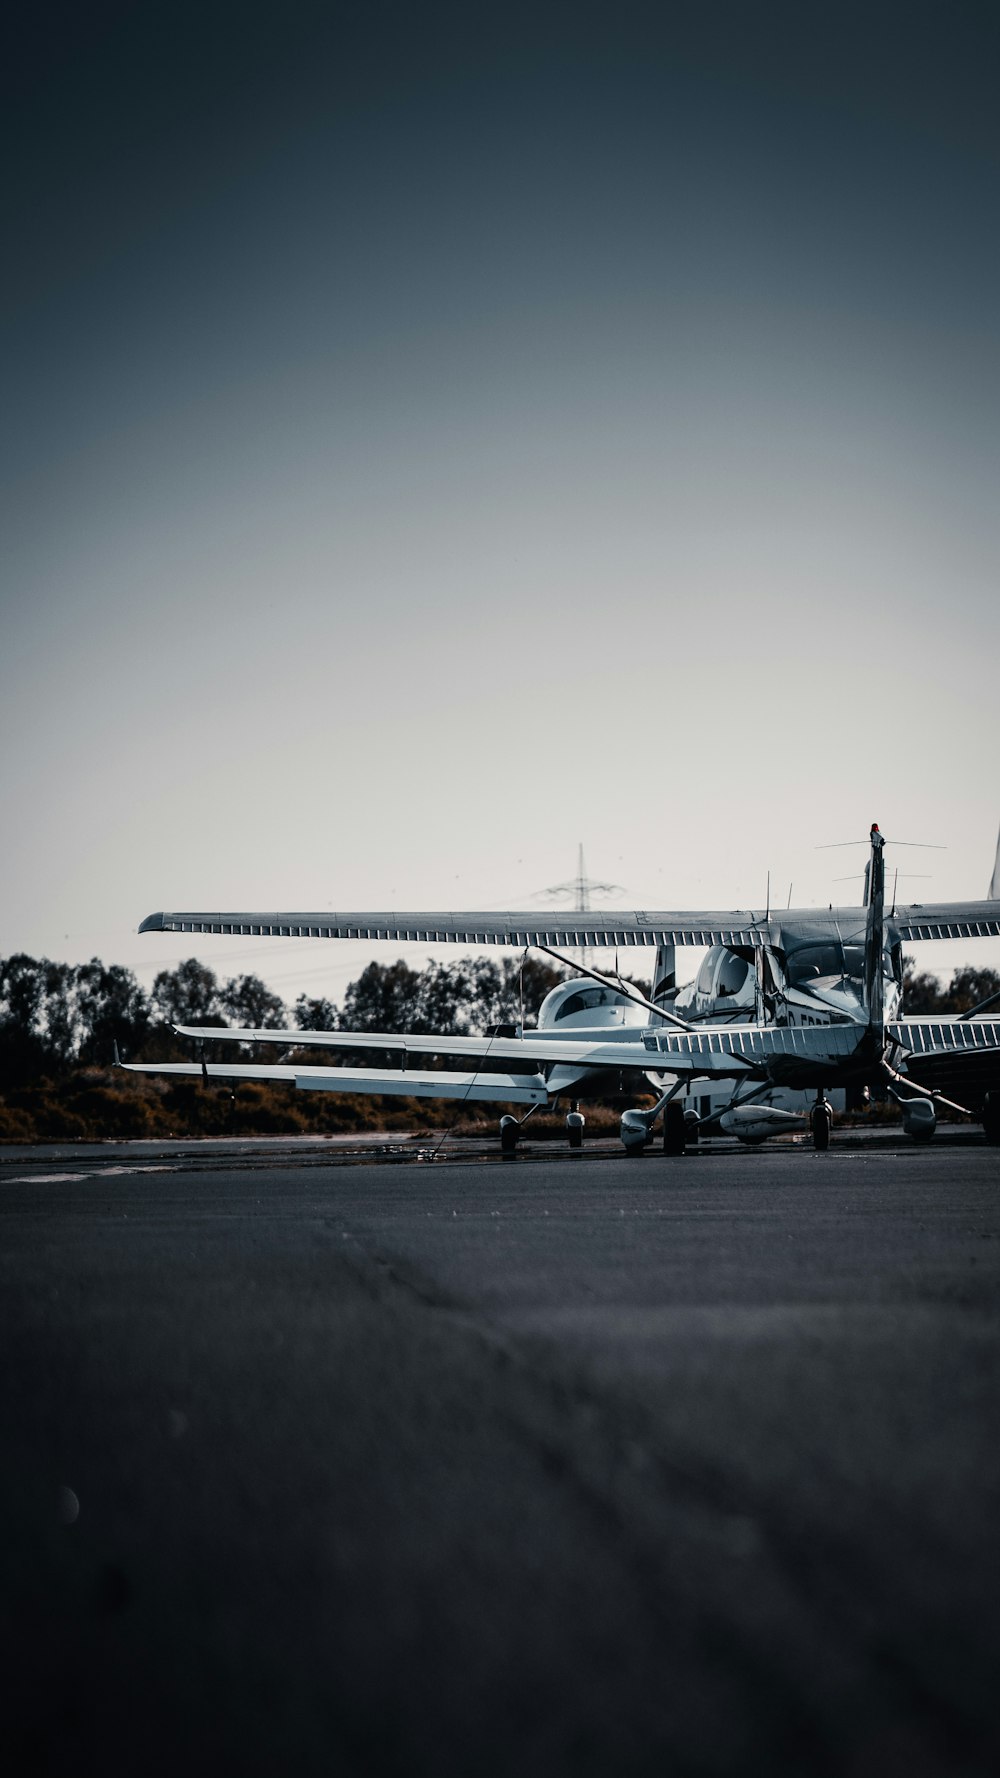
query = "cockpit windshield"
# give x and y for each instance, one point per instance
(828, 962)
(588, 998)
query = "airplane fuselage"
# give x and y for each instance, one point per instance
(805, 981)
(580, 1008)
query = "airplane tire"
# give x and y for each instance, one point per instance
(991, 1117)
(574, 1129)
(508, 1135)
(819, 1119)
(674, 1129)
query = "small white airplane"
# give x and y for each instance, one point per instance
(810, 998)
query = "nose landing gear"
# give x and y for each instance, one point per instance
(637, 1126)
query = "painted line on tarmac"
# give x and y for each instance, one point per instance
(92, 1173)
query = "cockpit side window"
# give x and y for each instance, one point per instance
(706, 974)
(732, 974)
(584, 1000)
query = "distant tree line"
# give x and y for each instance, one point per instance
(58, 1016)
(60, 1023)
(923, 994)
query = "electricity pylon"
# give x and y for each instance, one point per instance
(581, 888)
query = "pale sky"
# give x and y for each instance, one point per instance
(428, 449)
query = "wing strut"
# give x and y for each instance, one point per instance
(911, 1086)
(983, 1004)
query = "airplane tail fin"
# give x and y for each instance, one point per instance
(664, 975)
(875, 933)
(994, 888)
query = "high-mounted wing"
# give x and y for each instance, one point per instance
(740, 927)
(946, 919)
(549, 928)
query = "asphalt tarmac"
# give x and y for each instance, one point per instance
(568, 1465)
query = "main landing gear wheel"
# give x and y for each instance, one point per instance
(510, 1129)
(991, 1117)
(674, 1128)
(574, 1128)
(820, 1120)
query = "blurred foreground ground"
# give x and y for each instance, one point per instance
(564, 1465)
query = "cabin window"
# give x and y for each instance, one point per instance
(588, 998)
(732, 974)
(706, 974)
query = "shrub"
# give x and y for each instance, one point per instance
(16, 1125)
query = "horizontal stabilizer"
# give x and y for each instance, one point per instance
(518, 1089)
(533, 1043)
(725, 1051)
(945, 1037)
